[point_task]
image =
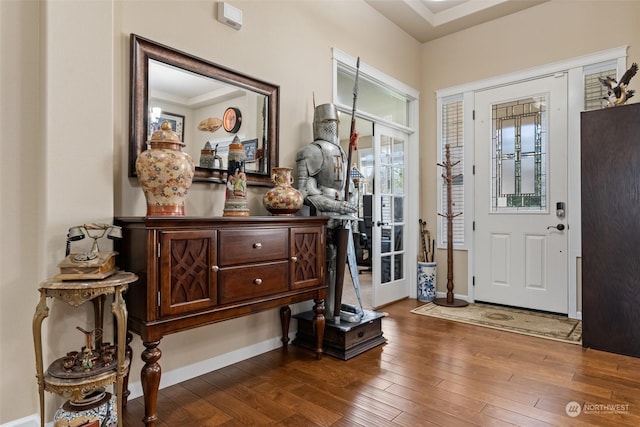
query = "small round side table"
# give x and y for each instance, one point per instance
(76, 293)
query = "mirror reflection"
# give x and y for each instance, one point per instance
(196, 106)
(207, 105)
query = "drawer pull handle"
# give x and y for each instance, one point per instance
(294, 258)
(257, 245)
(215, 268)
(257, 281)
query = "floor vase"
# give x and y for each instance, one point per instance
(426, 281)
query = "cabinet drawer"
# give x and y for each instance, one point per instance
(252, 245)
(243, 283)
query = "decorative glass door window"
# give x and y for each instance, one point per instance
(392, 203)
(519, 130)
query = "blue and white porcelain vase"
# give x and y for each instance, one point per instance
(426, 281)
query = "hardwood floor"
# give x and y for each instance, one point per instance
(431, 372)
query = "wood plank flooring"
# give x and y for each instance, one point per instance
(432, 372)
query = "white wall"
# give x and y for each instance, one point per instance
(20, 192)
(550, 32)
(65, 121)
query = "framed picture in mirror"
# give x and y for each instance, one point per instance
(250, 148)
(175, 120)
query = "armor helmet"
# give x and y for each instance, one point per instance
(325, 123)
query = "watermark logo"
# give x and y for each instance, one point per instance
(605, 408)
(573, 409)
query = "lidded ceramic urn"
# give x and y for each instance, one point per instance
(165, 173)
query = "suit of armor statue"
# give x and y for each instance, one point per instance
(322, 176)
(322, 168)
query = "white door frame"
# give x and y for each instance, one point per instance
(412, 167)
(392, 290)
(574, 68)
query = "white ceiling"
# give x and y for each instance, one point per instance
(426, 20)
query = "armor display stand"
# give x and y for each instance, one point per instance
(449, 301)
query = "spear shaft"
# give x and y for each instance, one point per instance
(353, 138)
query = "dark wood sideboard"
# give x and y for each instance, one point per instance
(610, 156)
(197, 271)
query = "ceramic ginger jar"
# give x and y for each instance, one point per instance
(165, 173)
(282, 199)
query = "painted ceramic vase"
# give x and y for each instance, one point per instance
(165, 173)
(100, 411)
(282, 199)
(426, 281)
(235, 203)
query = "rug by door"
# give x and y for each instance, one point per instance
(543, 325)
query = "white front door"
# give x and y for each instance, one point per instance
(390, 210)
(521, 239)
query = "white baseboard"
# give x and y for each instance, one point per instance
(440, 294)
(194, 370)
(179, 375)
(30, 421)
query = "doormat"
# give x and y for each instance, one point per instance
(520, 321)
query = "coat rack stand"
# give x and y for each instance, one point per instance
(449, 301)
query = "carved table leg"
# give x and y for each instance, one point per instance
(318, 325)
(150, 378)
(285, 320)
(119, 310)
(42, 311)
(129, 355)
(98, 318)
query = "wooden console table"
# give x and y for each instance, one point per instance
(198, 271)
(76, 293)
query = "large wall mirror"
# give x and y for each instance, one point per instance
(170, 85)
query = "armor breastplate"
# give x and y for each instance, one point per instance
(332, 174)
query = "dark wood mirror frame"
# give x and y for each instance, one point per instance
(142, 50)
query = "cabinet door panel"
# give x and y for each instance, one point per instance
(253, 245)
(243, 283)
(188, 282)
(307, 249)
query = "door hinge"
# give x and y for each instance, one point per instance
(158, 255)
(473, 169)
(473, 115)
(473, 281)
(158, 298)
(473, 226)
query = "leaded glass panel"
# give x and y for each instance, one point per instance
(519, 155)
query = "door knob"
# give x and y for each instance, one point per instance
(558, 227)
(381, 223)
